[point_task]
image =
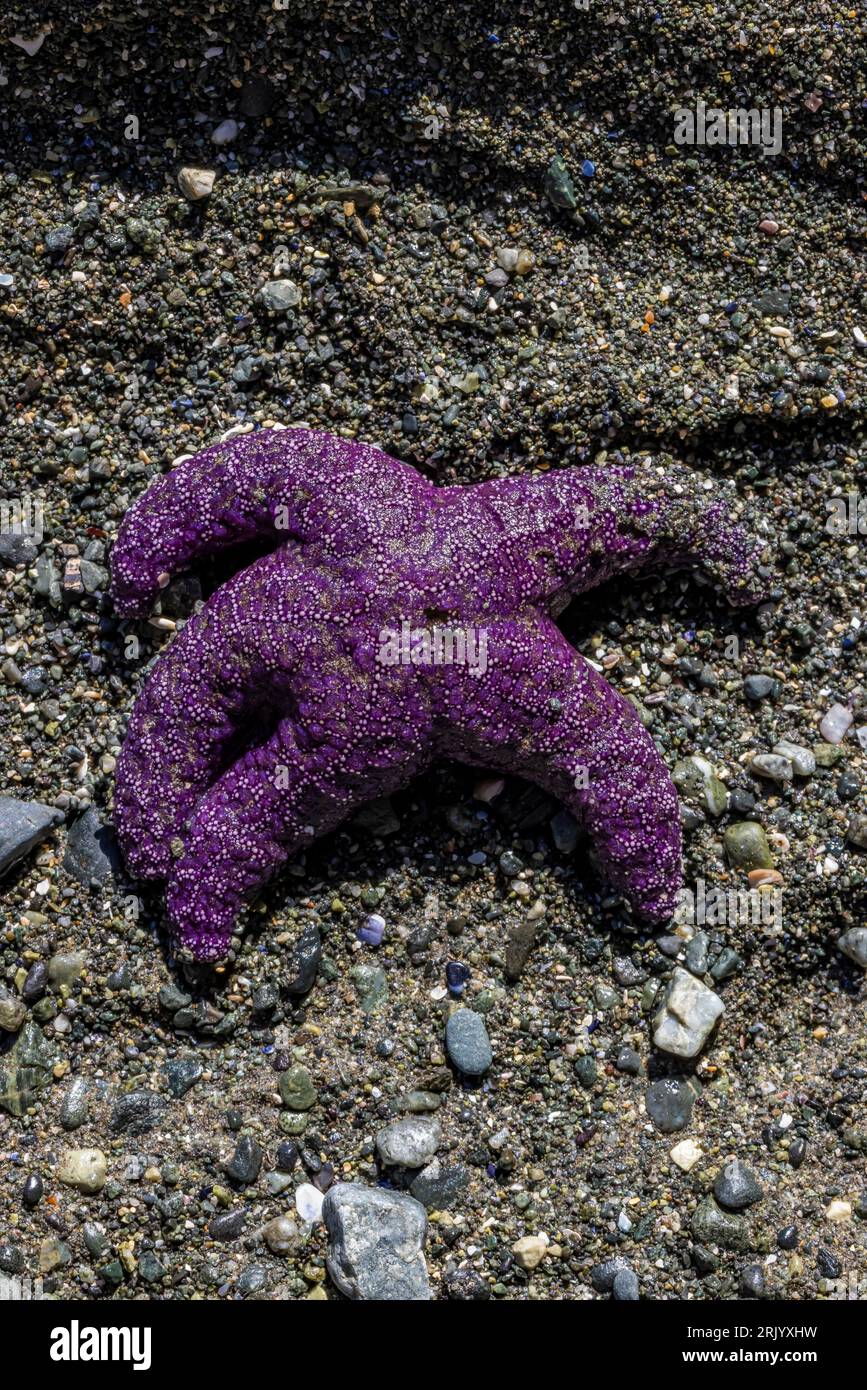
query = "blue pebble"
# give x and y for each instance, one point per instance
(373, 930)
(457, 975)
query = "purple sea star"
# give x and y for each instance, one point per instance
(394, 623)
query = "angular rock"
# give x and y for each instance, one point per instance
(529, 1251)
(856, 832)
(409, 1143)
(23, 824)
(737, 1186)
(137, 1112)
(26, 1069)
(688, 1012)
(196, 183)
(279, 295)
(375, 1244)
(92, 855)
(713, 1226)
(437, 1187)
(182, 1074)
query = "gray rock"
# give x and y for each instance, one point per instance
(625, 1286)
(669, 1104)
(467, 1042)
(137, 1112)
(686, 1016)
(802, 760)
(737, 1186)
(466, 1286)
(73, 1110)
(409, 1143)
(22, 825)
(437, 1187)
(853, 943)
(245, 1164)
(713, 1226)
(758, 687)
(280, 295)
(772, 766)
(375, 1244)
(92, 855)
(602, 1276)
(696, 957)
(856, 832)
(17, 548)
(182, 1074)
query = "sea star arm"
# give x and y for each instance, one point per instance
(229, 666)
(541, 711)
(543, 537)
(271, 485)
(279, 797)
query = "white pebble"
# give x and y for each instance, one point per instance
(308, 1202)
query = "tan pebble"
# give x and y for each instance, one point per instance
(686, 1154)
(529, 1251)
(764, 877)
(838, 1211)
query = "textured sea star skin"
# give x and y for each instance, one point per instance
(291, 649)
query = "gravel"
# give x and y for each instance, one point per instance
(487, 258)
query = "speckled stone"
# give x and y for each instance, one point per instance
(467, 1042)
(375, 1243)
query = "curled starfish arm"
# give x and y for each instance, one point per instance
(231, 662)
(244, 828)
(541, 711)
(226, 494)
(275, 801)
(273, 485)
